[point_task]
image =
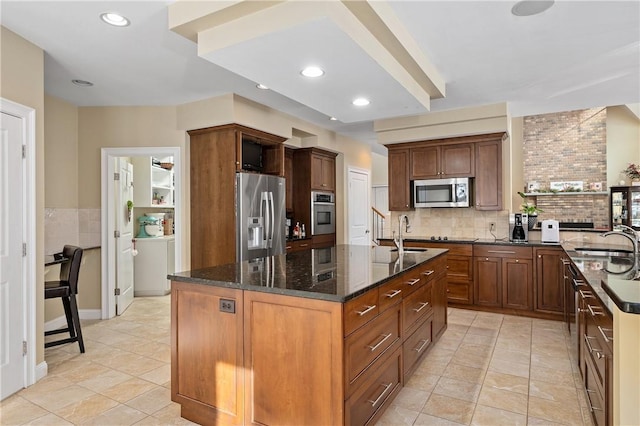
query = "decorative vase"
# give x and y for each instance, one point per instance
(532, 220)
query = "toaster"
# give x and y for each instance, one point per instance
(550, 231)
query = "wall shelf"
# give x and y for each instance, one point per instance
(543, 194)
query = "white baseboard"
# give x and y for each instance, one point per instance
(61, 321)
(42, 370)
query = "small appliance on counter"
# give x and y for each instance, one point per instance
(518, 227)
(550, 230)
(148, 227)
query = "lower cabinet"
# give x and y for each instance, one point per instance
(503, 277)
(595, 328)
(246, 357)
(549, 273)
(155, 260)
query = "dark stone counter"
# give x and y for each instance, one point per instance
(336, 273)
(611, 278)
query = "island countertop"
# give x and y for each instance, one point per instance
(337, 273)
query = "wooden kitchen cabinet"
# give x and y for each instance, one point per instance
(215, 157)
(399, 181)
(549, 281)
(255, 362)
(435, 161)
(488, 181)
(200, 358)
(288, 176)
(503, 277)
(323, 170)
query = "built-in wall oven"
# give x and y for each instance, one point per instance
(323, 213)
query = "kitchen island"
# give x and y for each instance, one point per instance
(322, 336)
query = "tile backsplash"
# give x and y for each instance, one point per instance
(70, 226)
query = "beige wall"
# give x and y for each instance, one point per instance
(61, 153)
(623, 143)
(22, 81)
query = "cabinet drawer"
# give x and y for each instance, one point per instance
(416, 345)
(595, 397)
(298, 245)
(434, 268)
(390, 293)
(368, 343)
(411, 281)
(374, 393)
(360, 310)
(415, 306)
(503, 251)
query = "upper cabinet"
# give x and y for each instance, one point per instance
(442, 161)
(399, 182)
(488, 183)
(478, 157)
(323, 170)
(153, 181)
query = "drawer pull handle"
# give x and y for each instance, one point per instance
(582, 310)
(377, 345)
(586, 294)
(427, 273)
(304, 245)
(393, 294)
(593, 312)
(366, 311)
(422, 306)
(598, 352)
(501, 251)
(386, 388)
(606, 338)
(424, 344)
(414, 281)
(578, 283)
(591, 407)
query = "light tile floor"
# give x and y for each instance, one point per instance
(486, 369)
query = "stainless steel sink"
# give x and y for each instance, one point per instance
(603, 252)
(412, 250)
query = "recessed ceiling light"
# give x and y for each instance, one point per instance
(361, 102)
(333, 119)
(82, 83)
(262, 87)
(114, 19)
(531, 7)
(312, 72)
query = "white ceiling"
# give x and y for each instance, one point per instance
(577, 54)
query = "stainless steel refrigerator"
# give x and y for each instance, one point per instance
(260, 216)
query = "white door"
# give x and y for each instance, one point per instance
(124, 228)
(12, 275)
(359, 207)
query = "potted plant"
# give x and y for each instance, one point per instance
(633, 172)
(129, 209)
(531, 210)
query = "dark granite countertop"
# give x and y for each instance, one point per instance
(611, 278)
(474, 241)
(337, 273)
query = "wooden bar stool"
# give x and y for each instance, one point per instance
(66, 289)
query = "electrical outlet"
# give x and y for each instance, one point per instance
(227, 305)
(492, 226)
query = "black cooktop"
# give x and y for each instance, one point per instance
(454, 240)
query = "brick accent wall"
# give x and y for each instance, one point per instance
(568, 146)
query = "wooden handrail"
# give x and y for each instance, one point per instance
(378, 212)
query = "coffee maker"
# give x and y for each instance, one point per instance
(518, 227)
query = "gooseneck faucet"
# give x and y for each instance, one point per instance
(627, 232)
(399, 242)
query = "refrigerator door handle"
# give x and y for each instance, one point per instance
(264, 214)
(271, 220)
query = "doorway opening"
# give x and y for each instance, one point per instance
(110, 216)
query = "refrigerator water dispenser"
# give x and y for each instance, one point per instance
(255, 233)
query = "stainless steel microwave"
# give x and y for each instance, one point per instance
(453, 192)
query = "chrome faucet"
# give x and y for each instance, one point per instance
(399, 242)
(627, 232)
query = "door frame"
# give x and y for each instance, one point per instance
(349, 206)
(108, 253)
(29, 234)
